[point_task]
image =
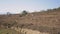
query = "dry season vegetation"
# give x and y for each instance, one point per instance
(44, 22)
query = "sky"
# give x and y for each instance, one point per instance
(16, 6)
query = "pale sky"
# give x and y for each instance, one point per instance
(15, 6)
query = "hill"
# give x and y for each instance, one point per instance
(44, 21)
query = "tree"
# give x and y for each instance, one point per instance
(8, 13)
(24, 12)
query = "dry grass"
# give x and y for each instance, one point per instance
(49, 20)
